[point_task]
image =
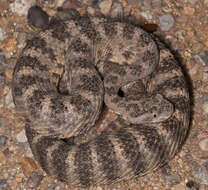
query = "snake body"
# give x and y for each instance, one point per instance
(101, 59)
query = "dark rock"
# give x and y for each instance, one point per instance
(67, 14)
(166, 169)
(3, 61)
(2, 79)
(34, 180)
(51, 187)
(150, 27)
(37, 17)
(137, 3)
(202, 58)
(3, 184)
(191, 184)
(7, 152)
(2, 141)
(202, 99)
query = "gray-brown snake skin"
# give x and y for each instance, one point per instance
(101, 59)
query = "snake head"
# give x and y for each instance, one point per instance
(153, 109)
(161, 110)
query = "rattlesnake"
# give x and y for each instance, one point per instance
(145, 116)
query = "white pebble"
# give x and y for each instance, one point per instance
(205, 107)
(21, 6)
(146, 15)
(9, 100)
(203, 144)
(117, 10)
(105, 6)
(21, 137)
(166, 22)
(3, 34)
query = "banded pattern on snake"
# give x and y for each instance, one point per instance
(131, 71)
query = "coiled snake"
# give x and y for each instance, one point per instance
(109, 67)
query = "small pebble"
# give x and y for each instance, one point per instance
(72, 4)
(1, 103)
(3, 61)
(203, 99)
(156, 4)
(9, 44)
(21, 39)
(3, 122)
(146, 3)
(3, 184)
(166, 169)
(205, 107)
(21, 6)
(105, 7)
(21, 137)
(180, 34)
(3, 34)
(191, 1)
(135, 186)
(68, 13)
(203, 144)
(117, 10)
(166, 22)
(92, 2)
(189, 11)
(91, 11)
(178, 187)
(2, 141)
(137, 3)
(58, 3)
(37, 17)
(201, 174)
(202, 187)
(9, 100)
(147, 15)
(172, 179)
(61, 187)
(99, 188)
(202, 58)
(2, 79)
(34, 180)
(51, 187)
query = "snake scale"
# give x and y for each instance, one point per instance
(111, 70)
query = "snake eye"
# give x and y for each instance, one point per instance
(154, 115)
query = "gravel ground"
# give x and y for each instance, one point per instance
(182, 24)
